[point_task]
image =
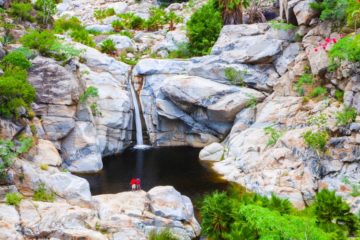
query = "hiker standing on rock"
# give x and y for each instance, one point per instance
(138, 184)
(133, 184)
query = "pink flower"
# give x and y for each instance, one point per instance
(334, 40)
(327, 40)
(324, 47)
(315, 49)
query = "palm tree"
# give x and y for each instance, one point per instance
(232, 10)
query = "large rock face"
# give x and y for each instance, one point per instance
(83, 138)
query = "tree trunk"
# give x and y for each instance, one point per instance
(231, 15)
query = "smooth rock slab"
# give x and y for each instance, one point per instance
(213, 152)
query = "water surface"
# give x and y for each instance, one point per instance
(176, 166)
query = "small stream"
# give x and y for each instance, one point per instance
(175, 166)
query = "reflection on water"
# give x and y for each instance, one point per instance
(176, 166)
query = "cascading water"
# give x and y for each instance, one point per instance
(138, 125)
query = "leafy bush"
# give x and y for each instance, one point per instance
(251, 102)
(182, 51)
(7, 154)
(15, 92)
(316, 140)
(281, 25)
(104, 13)
(203, 29)
(353, 13)
(339, 95)
(318, 91)
(13, 199)
(162, 235)
(128, 21)
(234, 76)
(82, 36)
(46, 8)
(243, 215)
(22, 11)
(173, 19)
(331, 10)
(117, 25)
(15, 59)
(347, 48)
(90, 92)
(346, 116)
(43, 195)
(108, 46)
(305, 79)
(39, 40)
(25, 144)
(274, 135)
(156, 20)
(333, 214)
(64, 24)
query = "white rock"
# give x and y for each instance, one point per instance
(213, 152)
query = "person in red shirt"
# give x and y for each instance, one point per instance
(133, 184)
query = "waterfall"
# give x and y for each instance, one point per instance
(138, 125)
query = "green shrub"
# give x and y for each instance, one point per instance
(318, 91)
(108, 46)
(117, 25)
(14, 93)
(82, 36)
(173, 19)
(13, 199)
(22, 11)
(64, 52)
(104, 13)
(346, 116)
(316, 140)
(7, 155)
(331, 10)
(64, 24)
(128, 21)
(25, 144)
(333, 213)
(42, 195)
(234, 76)
(353, 13)
(182, 51)
(203, 29)
(46, 8)
(339, 95)
(162, 235)
(347, 48)
(41, 41)
(281, 25)
(274, 135)
(251, 102)
(305, 79)
(15, 59)
(90, 92)
(216, 212)
(156, 20)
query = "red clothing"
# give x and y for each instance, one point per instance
(138, 182)
(133, 181)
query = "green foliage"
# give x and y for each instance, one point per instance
(25, 144)
(157, 19)
(104, 13)
(128, 21)
(64, 52)
(43, 195)
(182, 51)
(173, 19)
(274, 135)
(346, 116)
(108, 46)
(318, 91)
(316, 140)
(203, 29)
(347, 48)
(7, 155)
(22, 11)
(64, 24)
(234, 76)
(355, 187)
(46, 8)
(39, 40)
(339, 95)
(162, 235)
(305, 79)
(332, 10)
(251, 102)
(82, 36)
(333, 214)
(15, 92)
(216, 212)
(117, 25)
(281, 25)
(353, 13)
(13, 199)
(127, 60)
(242, 215)
(90, 92)
(15, 59)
